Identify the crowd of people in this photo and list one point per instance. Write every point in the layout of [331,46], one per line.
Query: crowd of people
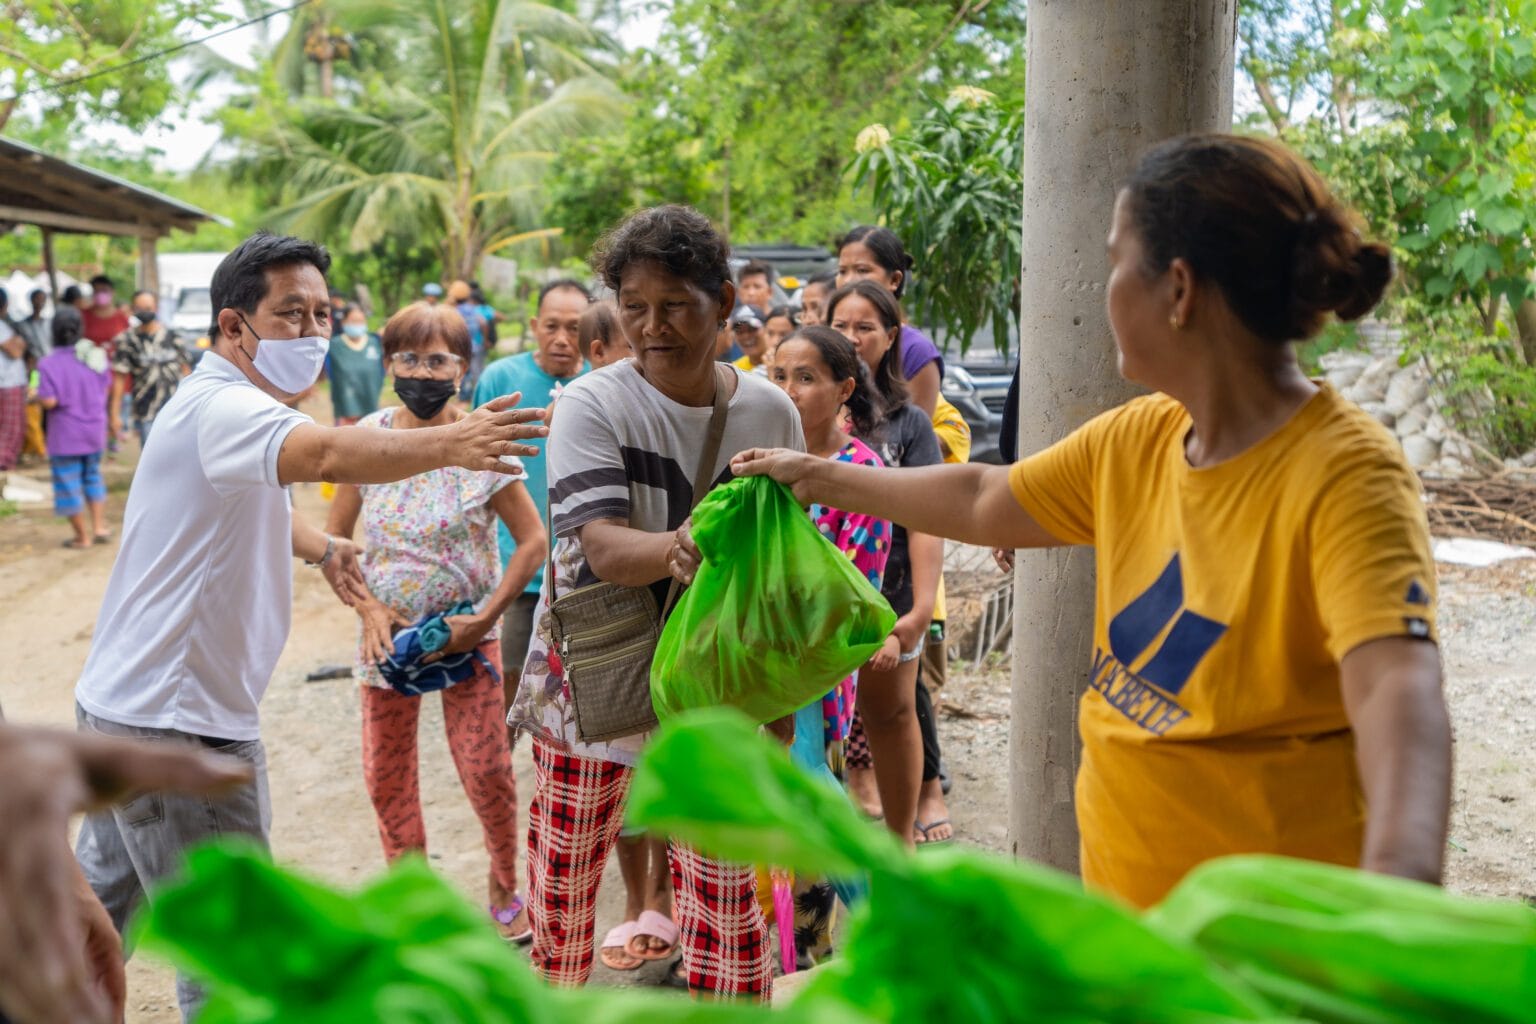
[1266,676]
[73,383]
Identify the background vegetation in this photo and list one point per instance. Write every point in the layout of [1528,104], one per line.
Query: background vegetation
[417,136]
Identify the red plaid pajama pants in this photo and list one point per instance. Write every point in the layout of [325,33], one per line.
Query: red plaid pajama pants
[13,425]
[573,820]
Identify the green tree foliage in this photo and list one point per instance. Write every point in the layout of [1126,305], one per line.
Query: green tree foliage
[1423,114]
[449,152]
[950,187]
[1427,124]
[749,110]
[46,44]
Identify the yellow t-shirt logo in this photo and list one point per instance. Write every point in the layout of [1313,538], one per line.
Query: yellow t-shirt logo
[1141,677]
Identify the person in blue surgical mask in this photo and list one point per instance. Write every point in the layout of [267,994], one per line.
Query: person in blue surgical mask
[355,368]
[197,608]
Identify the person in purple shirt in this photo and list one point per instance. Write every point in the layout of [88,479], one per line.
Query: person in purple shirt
[72,385]
[876,254]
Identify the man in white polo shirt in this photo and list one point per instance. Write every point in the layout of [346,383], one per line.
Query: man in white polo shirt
[197,608]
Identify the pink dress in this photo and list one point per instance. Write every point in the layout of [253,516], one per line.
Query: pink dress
[866,540]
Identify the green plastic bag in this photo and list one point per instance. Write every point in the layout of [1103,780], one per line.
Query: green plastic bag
[950,934]
[276,948]
[1338,945]
[774,619]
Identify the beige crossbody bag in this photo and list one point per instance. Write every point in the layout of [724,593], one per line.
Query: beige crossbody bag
[606,634]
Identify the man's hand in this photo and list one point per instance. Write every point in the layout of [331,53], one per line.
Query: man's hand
[115,423]
[791,468]
[55,962]
[1005,558]
[494,430]
[344,572]
[103,946]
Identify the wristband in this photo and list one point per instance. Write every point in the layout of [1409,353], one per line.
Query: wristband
[330,549]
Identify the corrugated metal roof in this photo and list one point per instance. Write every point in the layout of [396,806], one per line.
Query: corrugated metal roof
[32,180]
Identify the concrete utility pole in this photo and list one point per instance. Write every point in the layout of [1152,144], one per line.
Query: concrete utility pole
[1105,80]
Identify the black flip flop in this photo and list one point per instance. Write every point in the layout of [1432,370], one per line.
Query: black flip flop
[922,828]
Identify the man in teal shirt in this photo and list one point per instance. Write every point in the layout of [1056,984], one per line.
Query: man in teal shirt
[554,362]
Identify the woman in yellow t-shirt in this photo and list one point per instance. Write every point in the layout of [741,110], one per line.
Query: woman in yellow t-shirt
[1265,675]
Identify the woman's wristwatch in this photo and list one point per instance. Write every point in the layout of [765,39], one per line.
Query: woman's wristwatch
[330,549]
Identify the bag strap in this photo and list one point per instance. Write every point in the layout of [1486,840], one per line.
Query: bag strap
[707,458]
[702,480]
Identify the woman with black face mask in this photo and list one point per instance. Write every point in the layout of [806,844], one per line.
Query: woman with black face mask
[431,547]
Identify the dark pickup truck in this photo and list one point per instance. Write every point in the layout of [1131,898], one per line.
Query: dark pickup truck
[977,385]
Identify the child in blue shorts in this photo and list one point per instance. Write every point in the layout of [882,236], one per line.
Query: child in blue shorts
[72,386]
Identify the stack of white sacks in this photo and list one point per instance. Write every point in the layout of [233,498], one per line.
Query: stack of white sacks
[1403,399]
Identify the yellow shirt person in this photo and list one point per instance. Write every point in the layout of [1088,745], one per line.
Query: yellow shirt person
[954,436]
[1213,722]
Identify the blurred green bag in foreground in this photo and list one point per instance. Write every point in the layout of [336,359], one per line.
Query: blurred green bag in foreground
[952,934]
[775,617]
[945,935]
[276,948]
[1348,947]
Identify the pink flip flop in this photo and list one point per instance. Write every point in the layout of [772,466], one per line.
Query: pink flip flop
[618,938]
[654,925]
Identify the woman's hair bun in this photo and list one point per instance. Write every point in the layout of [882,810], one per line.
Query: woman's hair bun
[1373,272]
[1335,270]
[1260,223]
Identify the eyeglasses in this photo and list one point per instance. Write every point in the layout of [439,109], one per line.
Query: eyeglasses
[437,362]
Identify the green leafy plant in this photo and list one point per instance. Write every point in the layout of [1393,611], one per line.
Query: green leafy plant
[1422,115]
[950,186]
[77,59]
[745,109]
[1488,390]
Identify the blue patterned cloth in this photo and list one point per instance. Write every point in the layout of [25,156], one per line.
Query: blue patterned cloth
[405,671]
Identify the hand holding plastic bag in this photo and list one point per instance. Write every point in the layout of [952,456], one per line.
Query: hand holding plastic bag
[775,617]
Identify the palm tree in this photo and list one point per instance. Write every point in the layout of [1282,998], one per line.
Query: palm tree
[453,149]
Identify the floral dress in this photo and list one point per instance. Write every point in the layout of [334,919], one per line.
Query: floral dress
[431,541]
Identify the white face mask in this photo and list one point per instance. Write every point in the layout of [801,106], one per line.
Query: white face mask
[291,364]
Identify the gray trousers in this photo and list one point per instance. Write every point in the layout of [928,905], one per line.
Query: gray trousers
[516,635]
[125,849]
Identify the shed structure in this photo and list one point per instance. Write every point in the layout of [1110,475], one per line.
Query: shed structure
[58,195]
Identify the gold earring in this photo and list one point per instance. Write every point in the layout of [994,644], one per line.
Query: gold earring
[1175,322]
